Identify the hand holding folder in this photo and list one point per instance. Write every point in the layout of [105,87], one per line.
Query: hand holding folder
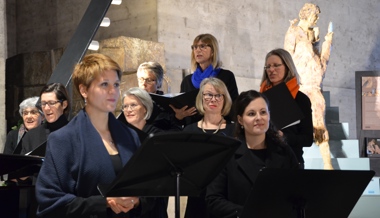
[178,100]
[284,110]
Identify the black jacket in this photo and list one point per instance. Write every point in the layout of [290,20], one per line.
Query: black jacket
[301,135]
[227,194]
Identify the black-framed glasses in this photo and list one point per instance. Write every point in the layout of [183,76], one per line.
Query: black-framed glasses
[275,66]
[31,112]
[131,106]
[201,46]
[146,80]
[209,96]
[50,103]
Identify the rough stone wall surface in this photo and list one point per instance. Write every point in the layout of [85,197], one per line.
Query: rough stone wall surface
[129,53]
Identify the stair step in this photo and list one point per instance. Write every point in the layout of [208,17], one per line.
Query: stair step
[332,115]
[338,149]
[339,163]
[338,131]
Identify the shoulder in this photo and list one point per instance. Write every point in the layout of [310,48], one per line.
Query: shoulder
[225,73]
[151,129]
[302,98]
[191,127]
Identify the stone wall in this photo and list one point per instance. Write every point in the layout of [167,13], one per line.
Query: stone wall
[246,31]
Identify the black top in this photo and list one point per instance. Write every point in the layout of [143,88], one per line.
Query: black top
[229,80]
[11,141]
[163,119]
[227,193]
[196,206]
[38,135]
[301,135]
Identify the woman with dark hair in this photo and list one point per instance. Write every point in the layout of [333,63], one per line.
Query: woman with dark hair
[261,147]
[279,68]
[55,104]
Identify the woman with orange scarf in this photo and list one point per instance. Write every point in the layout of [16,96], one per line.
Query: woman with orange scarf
[279,67]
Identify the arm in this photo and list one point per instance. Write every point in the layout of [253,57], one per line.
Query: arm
[303,136]
[326,49]
[216,198]
[290,40]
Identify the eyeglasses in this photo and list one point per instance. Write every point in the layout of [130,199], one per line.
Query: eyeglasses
[209,96]
[50,103]
[32,112]
[275,66]
[146,80]
[126,106]
[201,46]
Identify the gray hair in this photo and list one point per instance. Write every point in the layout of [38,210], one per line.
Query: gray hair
[156,69]
[143,96]
[27,103]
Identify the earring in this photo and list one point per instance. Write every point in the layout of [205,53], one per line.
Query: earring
[242,127]
[85,101]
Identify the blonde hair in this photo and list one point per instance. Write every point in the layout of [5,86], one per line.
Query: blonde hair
[221,88]
[92,66]
[213,43]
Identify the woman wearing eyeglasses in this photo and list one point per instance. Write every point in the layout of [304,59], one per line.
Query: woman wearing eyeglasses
[205,63]
[279,68]
[55,104]
[150,76]
[32,117]
[213,102]
[137,108]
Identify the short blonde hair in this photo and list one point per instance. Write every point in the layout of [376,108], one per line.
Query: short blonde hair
[92,66]
[221,88]
[213,43]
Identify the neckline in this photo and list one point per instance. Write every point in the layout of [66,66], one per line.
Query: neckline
[220,124]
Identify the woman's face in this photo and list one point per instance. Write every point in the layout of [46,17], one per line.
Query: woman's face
[31,117]
[212,100]
[134,111]
[52,107]
[103,92]
[203,54]
[255,118]
[147,80]
[275,69]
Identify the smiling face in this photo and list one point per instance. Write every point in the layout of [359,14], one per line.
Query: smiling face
[203,54]
[275,69]
[52,107]
[147,80]
[103,92]
[133,109]
[255,118]
[31,117]
[212,100]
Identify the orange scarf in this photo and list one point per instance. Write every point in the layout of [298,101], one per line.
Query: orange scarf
[291,84]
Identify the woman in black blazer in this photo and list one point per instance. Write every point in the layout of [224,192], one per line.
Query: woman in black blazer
[261,147]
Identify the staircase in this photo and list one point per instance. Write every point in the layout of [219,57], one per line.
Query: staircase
[345,156]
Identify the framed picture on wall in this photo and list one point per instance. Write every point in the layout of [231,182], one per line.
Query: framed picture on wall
[367,94]
[370,102]
[373,147]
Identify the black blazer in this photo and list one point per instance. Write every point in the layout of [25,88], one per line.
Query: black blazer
[227,194]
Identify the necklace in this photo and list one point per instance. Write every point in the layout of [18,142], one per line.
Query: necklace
[220,124]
